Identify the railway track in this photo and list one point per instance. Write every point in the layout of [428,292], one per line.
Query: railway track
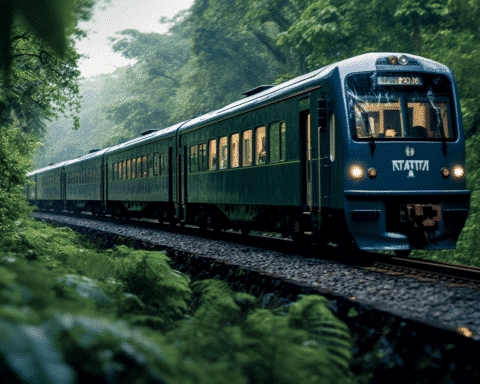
[453,275]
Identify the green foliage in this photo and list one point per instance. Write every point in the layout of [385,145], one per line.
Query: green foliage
[46,19]
[15,146]
[308,345]
[38,75]
[162,292]
[468,248]
[66,324]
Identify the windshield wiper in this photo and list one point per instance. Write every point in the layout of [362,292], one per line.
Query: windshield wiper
[439,127]
[369,129]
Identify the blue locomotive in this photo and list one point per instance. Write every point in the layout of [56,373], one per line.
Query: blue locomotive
[367,151]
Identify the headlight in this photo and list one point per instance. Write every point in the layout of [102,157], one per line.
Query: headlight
[403,60]
[392,60]
[372,173]
[458,172]
[356,172]
[445,172]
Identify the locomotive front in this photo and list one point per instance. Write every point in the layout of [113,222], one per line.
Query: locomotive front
[405,182]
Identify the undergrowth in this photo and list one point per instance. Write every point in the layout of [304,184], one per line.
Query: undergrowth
[70,312]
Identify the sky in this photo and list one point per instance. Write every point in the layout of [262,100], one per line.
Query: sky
[117,15]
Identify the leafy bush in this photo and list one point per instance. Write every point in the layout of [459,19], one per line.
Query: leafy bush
[162,293]
[15,147]
[308,345]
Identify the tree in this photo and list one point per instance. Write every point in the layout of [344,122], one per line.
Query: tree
[151,82]
[39,78]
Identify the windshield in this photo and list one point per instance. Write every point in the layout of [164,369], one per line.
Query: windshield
[390,107]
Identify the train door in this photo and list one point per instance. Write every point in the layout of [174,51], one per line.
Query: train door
[326,144]
[185,177]
[306,154]
[307,158]
[181,192]
[104,184]
[63,187]
[170,174]
[178,186]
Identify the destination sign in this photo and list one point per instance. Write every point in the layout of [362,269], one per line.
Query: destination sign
[399,80]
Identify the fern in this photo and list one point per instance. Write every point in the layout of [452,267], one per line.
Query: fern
[325,330]
[162,291]
[307,345]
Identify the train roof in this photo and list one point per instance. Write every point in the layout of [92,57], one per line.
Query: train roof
[157,135]
[259,98]
[88,156]
[170,131]
[378,61]
[51,167]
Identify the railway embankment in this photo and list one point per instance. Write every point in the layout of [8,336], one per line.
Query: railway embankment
[403,330]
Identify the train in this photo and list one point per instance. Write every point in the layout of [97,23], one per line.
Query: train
[367,152]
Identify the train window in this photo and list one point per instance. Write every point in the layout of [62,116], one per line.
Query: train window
[193,158]
[260,146]
[247,148]
[277,142]
[212,155]
[332,137]
[202,157]
[134,168]
[163,164]
[416,108]
[150,165]
[156,164]
[235,150]
[223,148]
[120,171]
[144,166]
[139,167]
[129,169]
